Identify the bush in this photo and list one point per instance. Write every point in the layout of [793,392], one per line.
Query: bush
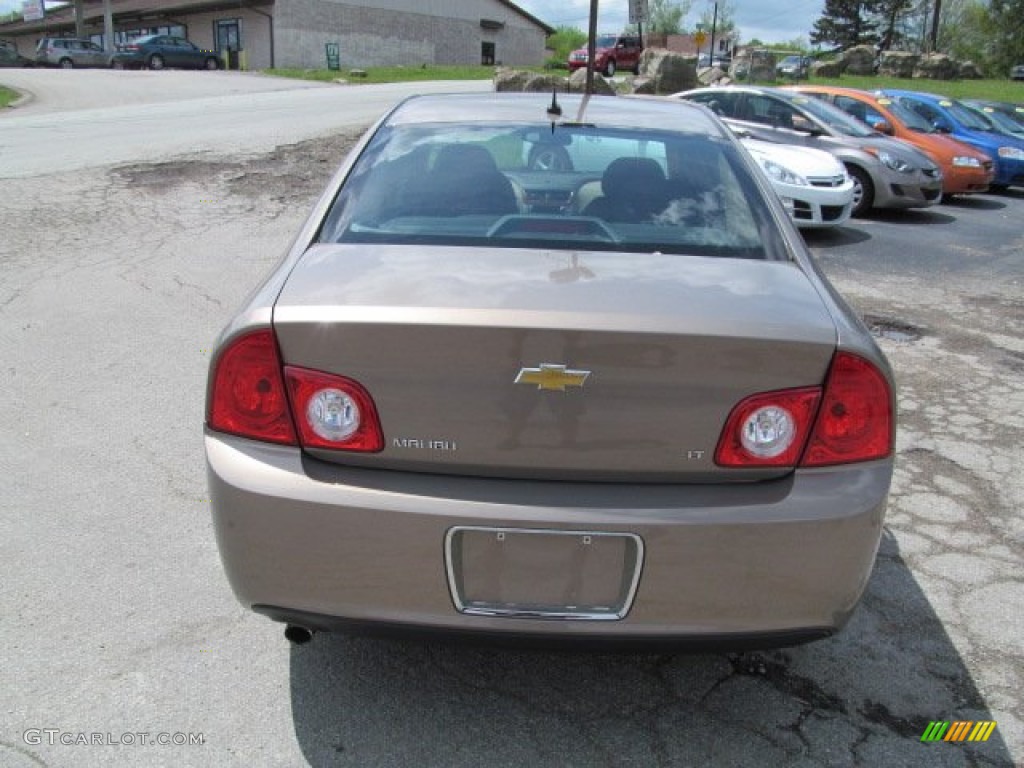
[554,62]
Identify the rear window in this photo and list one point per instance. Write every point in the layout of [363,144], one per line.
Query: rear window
[569,187]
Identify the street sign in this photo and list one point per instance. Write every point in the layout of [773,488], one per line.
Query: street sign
[32,10]
[699,37]
[637,11]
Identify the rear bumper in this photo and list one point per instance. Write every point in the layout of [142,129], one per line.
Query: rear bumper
[327,546]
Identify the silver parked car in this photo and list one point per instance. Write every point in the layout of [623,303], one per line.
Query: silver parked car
[887,173]
[70,52]
[610,398]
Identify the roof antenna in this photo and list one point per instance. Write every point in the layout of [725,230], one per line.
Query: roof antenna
[555,109]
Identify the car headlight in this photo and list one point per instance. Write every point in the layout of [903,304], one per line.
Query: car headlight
[781,173]
[1012,153]
[961,161]
[895,163]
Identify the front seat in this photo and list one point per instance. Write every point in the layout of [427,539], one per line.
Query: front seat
[632,189]
[465,180]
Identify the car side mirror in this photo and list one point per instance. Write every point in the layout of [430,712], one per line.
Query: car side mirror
[804,125]
[883,126]
[942,126]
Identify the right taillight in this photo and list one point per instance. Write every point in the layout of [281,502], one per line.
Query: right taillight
[848,420]
[855,421]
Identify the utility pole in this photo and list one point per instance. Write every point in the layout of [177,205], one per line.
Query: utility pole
[108,27]
[714,22]
[935,26]
[591,48]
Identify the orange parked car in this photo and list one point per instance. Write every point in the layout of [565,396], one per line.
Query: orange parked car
[964,169]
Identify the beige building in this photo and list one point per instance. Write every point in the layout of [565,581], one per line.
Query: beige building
[297,33]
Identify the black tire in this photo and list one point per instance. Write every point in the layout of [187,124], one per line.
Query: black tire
[863,190]
[212,64]
[156,61]
[66,64]
[609,68]
[998,188]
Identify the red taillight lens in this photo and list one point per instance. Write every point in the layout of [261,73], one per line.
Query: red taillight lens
[853,423]
[248,396]
[768,429]
[856,418]
[333,412]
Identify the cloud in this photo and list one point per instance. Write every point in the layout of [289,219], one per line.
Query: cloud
[771,21]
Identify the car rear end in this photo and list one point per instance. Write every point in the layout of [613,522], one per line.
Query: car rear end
[537,426]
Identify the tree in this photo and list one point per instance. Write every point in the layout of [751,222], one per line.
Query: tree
[564,40]
[724,24]
[1007,19]
[891,15]
[846,23]
[665,17]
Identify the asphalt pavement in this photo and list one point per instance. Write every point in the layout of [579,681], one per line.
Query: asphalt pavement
[118,631]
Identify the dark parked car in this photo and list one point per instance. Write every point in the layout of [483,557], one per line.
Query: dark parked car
[11,58]
[793,67]
[162,52]
[612,398]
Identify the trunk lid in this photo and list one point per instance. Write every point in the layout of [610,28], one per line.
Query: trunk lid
[657,351]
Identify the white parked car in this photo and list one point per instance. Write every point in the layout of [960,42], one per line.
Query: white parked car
[814,186]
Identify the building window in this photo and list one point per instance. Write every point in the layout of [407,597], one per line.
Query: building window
[487,53]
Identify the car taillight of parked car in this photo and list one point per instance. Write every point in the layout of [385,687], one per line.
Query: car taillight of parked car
[250,398]
[850,419]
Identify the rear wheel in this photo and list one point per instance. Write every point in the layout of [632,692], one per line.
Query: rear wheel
[156,61]
[863,190]
[66,64]
[211,64]
[609,68]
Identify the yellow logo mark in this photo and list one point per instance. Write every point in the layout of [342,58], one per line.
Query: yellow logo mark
[554,378]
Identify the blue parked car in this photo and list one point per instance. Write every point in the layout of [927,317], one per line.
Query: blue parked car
[162,52]
[972,127]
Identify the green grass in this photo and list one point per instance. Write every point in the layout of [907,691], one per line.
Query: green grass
[995,90]
[7,96]
[390,74]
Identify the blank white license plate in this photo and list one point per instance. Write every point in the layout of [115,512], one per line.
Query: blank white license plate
[528,573]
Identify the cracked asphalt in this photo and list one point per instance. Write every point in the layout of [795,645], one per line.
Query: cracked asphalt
[115,617]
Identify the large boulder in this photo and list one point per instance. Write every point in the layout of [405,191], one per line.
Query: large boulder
[898,64]
[578,83]
[762,66]
[936,66]
[833,68]
[711,76]
[511,79]
[969,71]
[644,86]
[860,60]
[670,71]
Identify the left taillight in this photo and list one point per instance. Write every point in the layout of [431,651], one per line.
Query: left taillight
[253,395]
[248,396]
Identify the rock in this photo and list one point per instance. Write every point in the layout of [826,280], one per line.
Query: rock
[969,71]
[936,66]
[898,64]
[670,71]
[832,68]
[544,83]
[511,79]
[710,76]
[860,60]
[578,82]
[762,66]
[644,86]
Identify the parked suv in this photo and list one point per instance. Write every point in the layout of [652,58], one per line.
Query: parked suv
[70,52]
[611,53]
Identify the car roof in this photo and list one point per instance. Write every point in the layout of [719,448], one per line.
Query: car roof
[650,113]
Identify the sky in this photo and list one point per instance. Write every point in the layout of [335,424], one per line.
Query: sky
[772,21]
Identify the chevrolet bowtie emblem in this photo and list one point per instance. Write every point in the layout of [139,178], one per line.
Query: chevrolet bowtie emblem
[552,377]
